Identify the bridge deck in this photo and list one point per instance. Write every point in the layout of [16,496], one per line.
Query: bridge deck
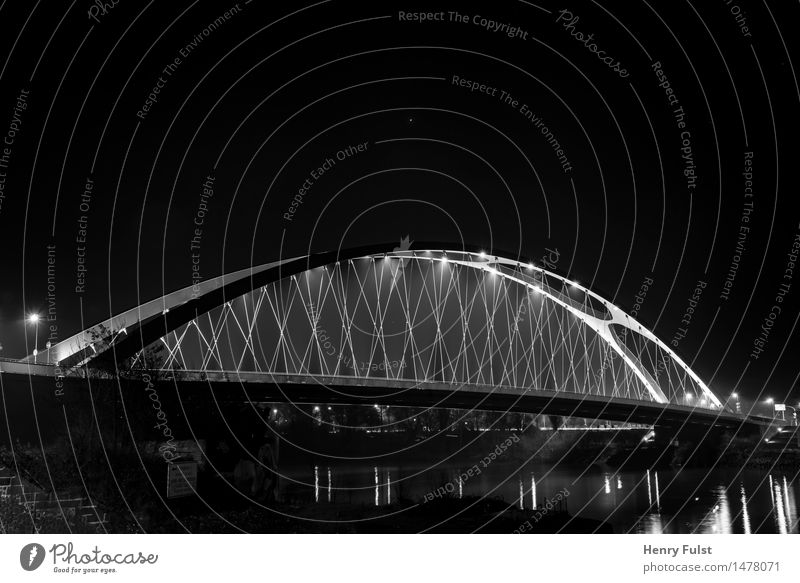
[399,392]
[259,386]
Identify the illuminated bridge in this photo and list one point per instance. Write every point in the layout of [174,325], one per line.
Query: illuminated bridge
[422,328]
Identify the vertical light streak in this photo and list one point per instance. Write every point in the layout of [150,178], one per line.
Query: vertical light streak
[745,513]
[316,483]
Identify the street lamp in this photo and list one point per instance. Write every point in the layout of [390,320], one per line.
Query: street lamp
[34,319]
[735,397]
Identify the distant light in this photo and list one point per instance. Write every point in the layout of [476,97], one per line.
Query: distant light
[316,409]
[689,396]
[275,411]
[329,408]
[735,395]
[33,318]
[770,401]
[530,265]
[482,254]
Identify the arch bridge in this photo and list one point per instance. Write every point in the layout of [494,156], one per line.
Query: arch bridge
[428,327]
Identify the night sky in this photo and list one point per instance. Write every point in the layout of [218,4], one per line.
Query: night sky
[627,142]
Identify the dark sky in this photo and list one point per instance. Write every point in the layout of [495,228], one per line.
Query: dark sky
[266,96]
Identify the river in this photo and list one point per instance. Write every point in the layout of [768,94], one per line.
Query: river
[642,501]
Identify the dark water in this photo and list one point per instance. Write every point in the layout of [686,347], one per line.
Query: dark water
[647,501]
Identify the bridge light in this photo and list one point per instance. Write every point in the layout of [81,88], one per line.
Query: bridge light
[482,254]
[530,265]
[689,396]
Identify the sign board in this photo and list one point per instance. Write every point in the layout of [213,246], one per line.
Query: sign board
[780,407]
[181,479]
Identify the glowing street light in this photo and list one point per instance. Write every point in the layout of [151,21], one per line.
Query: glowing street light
[735,397]
[34,319]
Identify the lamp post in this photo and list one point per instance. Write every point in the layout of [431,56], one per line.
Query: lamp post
[735,397]
[771,401]
[34,319]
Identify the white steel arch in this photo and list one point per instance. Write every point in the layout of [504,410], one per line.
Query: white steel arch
[215,334]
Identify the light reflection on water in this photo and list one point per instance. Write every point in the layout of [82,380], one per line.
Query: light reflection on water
[745,513]
[644,501]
